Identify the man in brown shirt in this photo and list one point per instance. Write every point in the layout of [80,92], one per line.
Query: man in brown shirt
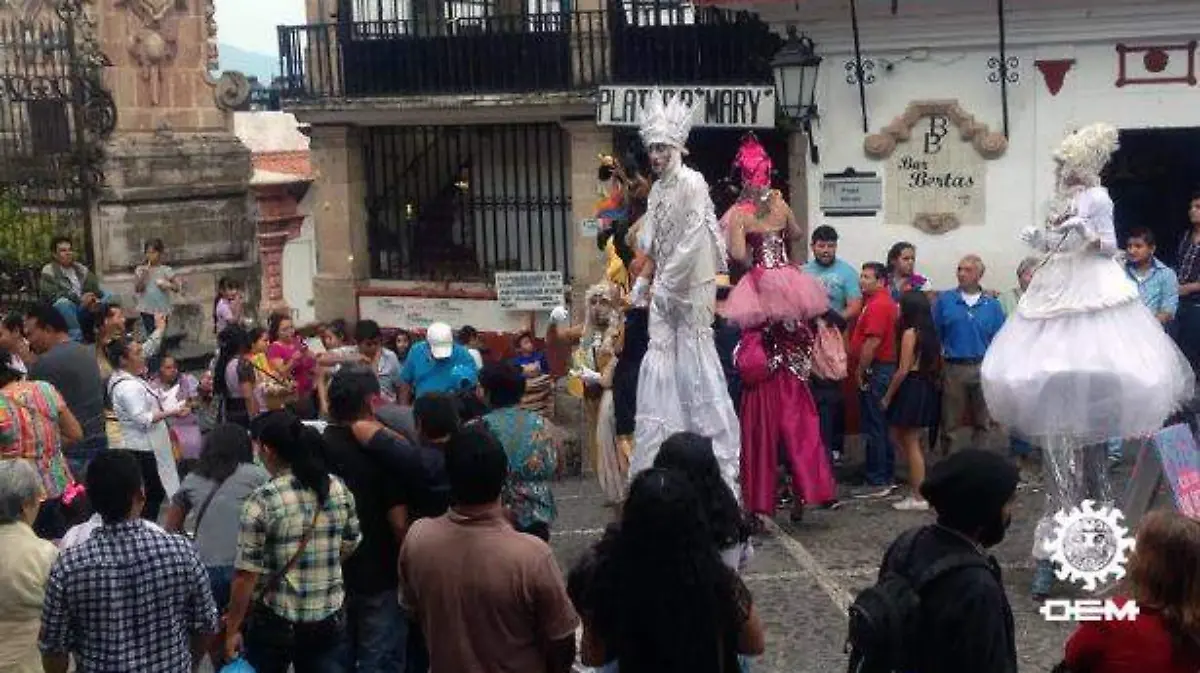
[488,598]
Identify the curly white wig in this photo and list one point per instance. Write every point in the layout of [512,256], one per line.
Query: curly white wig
[1086,152]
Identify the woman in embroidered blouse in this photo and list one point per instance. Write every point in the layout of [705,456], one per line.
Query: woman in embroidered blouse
[34,424]
[902,275]
[25,564]
[532,446]
[143,421]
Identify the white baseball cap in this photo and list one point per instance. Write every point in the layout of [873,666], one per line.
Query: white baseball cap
[441,340]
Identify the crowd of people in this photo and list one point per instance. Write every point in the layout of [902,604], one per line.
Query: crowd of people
[320,499]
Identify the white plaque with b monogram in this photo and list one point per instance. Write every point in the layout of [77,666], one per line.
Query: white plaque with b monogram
[935,177]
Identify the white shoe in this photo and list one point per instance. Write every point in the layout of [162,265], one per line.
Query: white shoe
[911,504]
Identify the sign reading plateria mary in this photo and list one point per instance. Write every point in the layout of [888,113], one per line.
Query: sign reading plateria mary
[935,177]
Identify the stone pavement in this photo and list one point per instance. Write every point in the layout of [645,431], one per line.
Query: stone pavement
[804,575]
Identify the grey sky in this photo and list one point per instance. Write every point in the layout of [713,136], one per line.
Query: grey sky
[250,24]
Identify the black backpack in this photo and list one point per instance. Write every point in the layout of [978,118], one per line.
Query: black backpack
[885,619]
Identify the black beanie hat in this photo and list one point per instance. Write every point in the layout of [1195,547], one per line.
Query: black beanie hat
[969,488]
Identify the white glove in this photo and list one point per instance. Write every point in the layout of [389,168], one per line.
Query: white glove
[637,296]
[1032,236]
[590,377]
[560,315]
[1077,223]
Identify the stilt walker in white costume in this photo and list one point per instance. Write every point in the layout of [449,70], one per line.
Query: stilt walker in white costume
[681,385]
[1081,360]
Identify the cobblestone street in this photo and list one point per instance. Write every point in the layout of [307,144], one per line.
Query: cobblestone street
[803,576]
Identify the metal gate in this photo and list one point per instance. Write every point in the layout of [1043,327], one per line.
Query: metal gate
[462,202]
[54,117]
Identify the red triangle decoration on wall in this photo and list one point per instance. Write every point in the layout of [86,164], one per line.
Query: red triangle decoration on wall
[1054,72]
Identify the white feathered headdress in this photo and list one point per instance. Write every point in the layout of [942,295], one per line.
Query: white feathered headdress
[666,123]
[1086,152]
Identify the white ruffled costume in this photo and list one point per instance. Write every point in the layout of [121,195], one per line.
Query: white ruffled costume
[681,385]
[1081,360]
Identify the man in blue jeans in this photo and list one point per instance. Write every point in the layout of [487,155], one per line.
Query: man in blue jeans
[71,288]
[386,475]
[873,354]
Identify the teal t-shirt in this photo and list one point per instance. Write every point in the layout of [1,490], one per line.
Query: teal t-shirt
[840,281]
[427,375]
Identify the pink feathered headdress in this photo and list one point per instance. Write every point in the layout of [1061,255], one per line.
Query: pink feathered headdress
[753,163]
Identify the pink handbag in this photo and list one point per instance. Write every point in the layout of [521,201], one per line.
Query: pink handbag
[829,353]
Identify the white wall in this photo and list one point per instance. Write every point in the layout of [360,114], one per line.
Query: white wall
[1019,183]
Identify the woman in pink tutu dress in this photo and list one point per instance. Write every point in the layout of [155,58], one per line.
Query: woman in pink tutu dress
[774,305]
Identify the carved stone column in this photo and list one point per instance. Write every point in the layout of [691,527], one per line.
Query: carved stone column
[279,221]
[174,169]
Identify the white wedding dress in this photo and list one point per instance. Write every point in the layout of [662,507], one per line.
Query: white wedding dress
[1082,357]
[681,385]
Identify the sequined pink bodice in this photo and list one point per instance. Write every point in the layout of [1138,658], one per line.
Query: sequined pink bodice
[768,249]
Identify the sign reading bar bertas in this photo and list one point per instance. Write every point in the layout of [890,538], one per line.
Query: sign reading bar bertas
[730,107]
[936,180]
[529,290]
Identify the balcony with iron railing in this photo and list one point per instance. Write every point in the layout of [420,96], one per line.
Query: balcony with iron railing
[521,54]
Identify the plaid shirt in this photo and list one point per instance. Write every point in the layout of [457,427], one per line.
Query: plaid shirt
[128,600]
[274,519]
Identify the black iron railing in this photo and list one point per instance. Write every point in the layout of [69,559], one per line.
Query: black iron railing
[493,54]
[672,44]
[646,44]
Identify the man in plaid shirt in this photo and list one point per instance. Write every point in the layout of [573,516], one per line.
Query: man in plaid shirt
[131,598]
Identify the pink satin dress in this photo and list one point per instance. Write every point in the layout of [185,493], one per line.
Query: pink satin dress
[778,408]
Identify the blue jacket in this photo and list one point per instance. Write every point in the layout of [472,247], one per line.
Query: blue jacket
[966,331]
[1159,290]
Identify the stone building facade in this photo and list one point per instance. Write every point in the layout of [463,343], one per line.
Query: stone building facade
[174,169]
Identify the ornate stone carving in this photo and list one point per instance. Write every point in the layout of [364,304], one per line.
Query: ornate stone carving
[989,144]
[936,223]
[212,53]
[153,40]
[232,91]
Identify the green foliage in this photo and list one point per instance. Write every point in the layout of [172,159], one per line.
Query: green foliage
[25,235]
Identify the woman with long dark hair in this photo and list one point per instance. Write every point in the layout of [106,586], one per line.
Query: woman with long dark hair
[692,455]
[234,377]
[1164,579]
[296,530]
[208,506]
[209,502]
[902,275]
[912,401]
[660,599]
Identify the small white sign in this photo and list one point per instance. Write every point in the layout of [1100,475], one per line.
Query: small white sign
[418,313]
[529,290]
[851,194]
[729,107]
[589,228]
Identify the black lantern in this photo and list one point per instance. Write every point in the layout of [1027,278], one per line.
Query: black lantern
[796,66]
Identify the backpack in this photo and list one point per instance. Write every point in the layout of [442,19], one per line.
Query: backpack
[829,353]
[886,618]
